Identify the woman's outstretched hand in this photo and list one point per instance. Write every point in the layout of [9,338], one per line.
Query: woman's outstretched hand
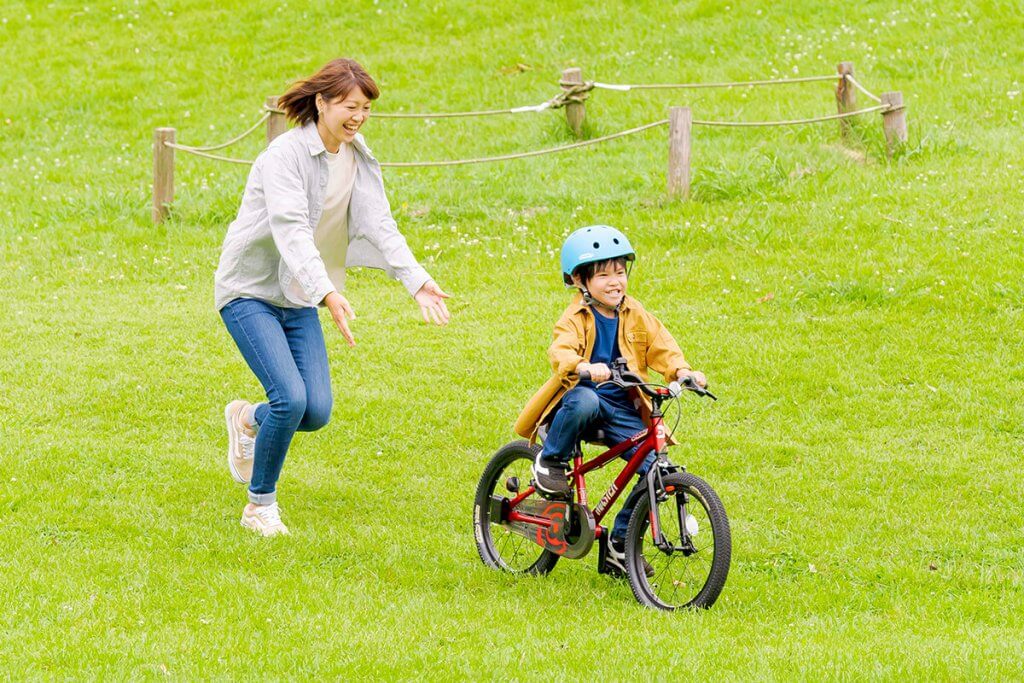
[341,311]
[431,301]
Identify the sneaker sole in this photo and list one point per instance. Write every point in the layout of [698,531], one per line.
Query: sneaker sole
[232,445]
[254,526]
[545,492]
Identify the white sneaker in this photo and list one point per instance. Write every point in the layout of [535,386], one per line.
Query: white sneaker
[241,442]
[265,519]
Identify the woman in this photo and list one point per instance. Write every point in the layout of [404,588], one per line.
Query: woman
[314,203]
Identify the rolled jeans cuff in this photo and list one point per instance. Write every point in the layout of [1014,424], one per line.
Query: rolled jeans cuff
[262,498]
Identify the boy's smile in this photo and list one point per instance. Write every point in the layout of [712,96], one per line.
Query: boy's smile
[607,285]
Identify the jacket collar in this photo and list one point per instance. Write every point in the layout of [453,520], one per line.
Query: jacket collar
[579,305]
[315,145]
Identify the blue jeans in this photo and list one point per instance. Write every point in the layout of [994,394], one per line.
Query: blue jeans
[581,413]
[285,348]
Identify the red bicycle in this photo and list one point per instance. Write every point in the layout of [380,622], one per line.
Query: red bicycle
[678,542]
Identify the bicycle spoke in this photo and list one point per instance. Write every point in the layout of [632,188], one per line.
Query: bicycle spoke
[513,549]
[672,578]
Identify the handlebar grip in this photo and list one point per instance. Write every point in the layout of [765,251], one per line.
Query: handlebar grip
[585,376]
[691,385]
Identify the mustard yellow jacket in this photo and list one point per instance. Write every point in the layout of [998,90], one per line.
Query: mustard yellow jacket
[643,341]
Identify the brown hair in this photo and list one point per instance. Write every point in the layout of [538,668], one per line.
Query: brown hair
[587,270]
[337,78]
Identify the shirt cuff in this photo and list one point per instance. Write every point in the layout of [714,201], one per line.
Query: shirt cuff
[413,279]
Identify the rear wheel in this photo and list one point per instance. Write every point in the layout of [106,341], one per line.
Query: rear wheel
[691,570]
[508,473]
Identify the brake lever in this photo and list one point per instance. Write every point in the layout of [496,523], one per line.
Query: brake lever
[690,385]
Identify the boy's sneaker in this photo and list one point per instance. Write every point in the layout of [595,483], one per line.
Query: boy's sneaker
[241,442]
[550,477]
[265,519]
[615,560]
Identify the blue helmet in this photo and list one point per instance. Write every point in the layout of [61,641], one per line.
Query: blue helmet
[593,244]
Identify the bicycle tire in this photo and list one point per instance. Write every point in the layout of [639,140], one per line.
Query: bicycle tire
[491,551]
[648,590]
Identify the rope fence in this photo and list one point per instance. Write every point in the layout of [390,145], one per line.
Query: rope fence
[575,92]
[693,86]
[853,81]
[792,122]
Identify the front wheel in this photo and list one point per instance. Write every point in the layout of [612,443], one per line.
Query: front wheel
[691,567]
[508,472]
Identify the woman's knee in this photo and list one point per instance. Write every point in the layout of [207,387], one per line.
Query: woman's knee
[289,405]
[318,413]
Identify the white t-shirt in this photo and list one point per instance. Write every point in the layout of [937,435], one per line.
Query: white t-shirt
[331,234]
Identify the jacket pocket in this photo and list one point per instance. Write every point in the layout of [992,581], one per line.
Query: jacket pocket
[637,340]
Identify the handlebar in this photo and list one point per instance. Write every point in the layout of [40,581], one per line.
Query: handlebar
[622,377]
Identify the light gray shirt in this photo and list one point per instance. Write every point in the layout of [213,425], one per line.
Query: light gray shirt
[270,247]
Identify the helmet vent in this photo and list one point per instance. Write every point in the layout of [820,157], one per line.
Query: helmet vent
[615,239]
[597,245]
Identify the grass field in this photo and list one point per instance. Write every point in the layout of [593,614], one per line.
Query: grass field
[866,444]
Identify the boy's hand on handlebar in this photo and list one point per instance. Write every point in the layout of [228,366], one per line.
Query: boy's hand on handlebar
[341,311]
[599,372]
[696,376]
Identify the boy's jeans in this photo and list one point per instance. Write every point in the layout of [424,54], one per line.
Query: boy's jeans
[583,411]
[285,348]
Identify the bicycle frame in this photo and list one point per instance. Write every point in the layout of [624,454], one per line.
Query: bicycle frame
[651,439]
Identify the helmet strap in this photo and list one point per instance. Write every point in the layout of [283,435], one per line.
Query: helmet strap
[591,301]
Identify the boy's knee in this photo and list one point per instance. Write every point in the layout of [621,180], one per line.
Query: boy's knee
[582,401]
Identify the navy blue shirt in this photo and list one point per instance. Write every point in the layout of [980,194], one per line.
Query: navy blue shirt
[606,349]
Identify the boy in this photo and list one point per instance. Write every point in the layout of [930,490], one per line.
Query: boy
[600,325]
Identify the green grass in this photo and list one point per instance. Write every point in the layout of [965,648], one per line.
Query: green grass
[866,444]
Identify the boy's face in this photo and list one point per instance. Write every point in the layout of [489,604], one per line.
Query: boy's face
[608,284]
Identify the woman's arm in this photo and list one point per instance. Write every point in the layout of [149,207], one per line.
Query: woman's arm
[288,212]
[384,235]
[386,238]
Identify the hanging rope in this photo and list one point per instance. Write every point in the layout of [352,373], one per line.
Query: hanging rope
[681,86]
[210,148]
[578,93]
[792,122]
[455,162]
[199,153]
[523,155]
[860,87]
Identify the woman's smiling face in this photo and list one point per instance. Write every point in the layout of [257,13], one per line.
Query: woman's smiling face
[342,117]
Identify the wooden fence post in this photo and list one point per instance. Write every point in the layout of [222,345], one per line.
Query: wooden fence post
[894,120]
[163,173]
[574,111]
[680,126]
[846,97]
[277,123]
